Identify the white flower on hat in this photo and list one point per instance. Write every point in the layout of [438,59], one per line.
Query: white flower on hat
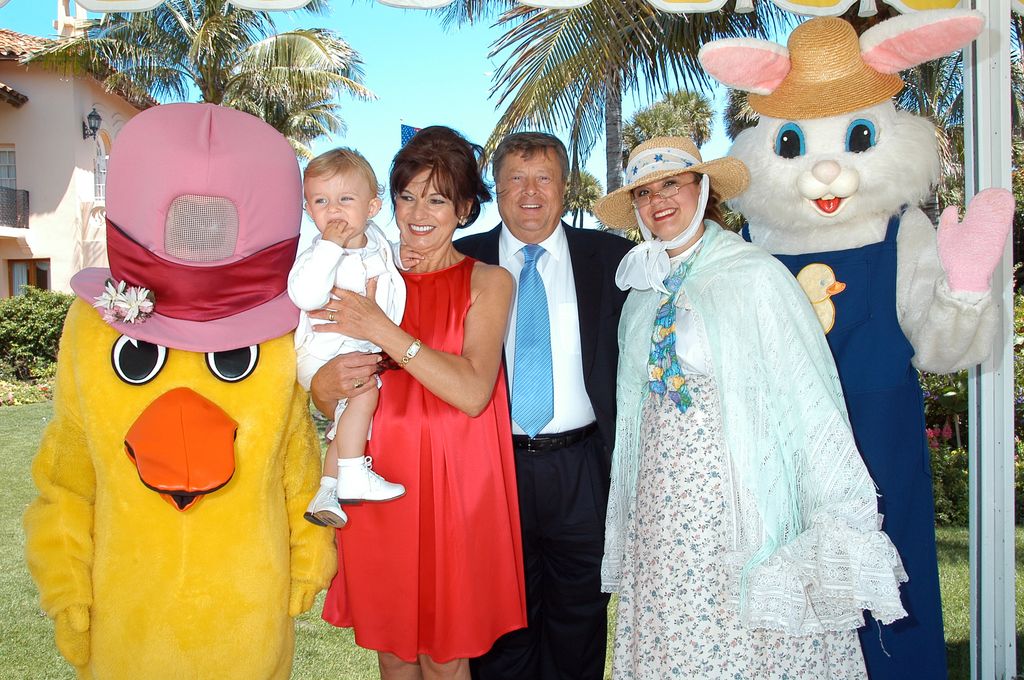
[110,294]
[124,303]
[136,304]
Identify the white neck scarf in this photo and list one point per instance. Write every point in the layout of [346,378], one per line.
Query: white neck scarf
[647,264]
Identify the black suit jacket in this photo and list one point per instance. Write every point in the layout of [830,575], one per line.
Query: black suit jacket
[595,255]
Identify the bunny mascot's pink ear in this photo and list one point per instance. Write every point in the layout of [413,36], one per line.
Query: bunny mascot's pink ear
[911,39]
[746,64]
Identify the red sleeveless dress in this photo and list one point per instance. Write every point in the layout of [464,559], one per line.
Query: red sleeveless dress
[440,570]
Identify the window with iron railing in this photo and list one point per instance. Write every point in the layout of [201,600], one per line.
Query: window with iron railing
[13,208]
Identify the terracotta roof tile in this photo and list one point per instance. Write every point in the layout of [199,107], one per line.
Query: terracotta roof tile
[11,96]
[15,45]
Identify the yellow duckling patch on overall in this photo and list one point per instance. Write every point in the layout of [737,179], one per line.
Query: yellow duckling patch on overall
[820,284]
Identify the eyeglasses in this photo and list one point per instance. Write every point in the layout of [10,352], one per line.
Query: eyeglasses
[667,191]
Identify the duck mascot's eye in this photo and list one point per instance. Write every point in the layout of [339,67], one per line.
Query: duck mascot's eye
[136,362]
[790,141]
[234,364]
[860,136]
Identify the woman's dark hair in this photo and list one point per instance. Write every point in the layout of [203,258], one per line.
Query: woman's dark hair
[713,211]
[454,165]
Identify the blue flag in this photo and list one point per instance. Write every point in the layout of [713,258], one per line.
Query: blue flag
[407,133]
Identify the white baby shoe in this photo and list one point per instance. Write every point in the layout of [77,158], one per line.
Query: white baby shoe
[358,482]
[324,510]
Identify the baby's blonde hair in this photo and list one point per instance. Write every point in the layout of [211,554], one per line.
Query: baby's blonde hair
[342,160]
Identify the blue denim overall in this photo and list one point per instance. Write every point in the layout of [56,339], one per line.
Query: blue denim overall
[886,409]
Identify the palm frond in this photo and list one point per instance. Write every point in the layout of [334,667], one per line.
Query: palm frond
[678,114]
[738,116]
[559,63]
[232,56]
[311,60]
[462,12]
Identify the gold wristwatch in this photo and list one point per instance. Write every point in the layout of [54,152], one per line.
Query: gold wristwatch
[413,350]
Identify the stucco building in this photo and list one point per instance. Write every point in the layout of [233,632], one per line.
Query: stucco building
[52,215]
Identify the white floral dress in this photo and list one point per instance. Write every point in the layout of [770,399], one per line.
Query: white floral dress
[674,620]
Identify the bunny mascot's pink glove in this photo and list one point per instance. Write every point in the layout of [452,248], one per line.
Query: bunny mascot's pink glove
[970,250]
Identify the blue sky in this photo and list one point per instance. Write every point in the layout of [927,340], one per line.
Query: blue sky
[421,74]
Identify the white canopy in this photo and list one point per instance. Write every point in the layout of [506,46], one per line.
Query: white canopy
[807,7]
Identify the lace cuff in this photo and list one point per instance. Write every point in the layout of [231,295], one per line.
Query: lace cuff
[611,576]
[823,580]
[619,502]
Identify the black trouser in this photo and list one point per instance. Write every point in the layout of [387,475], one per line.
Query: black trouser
[563,498]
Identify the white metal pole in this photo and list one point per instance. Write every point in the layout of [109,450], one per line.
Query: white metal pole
[987,164]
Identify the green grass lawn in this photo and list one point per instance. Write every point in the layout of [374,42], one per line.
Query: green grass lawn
[322,651]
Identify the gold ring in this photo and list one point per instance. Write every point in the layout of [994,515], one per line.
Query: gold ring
[356,384]
[330,315]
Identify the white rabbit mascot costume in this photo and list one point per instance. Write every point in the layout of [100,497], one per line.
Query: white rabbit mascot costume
[836,175]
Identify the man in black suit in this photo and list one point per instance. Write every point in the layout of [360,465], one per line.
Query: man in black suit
[563,468]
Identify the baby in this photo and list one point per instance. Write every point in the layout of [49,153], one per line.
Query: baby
[341,197]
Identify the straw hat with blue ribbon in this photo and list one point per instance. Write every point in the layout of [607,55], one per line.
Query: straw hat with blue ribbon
[663,157]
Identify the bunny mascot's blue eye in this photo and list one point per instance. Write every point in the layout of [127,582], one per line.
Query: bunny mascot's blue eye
[860,136]
[790,141]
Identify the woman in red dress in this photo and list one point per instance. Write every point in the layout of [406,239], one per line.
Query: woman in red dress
[435,577]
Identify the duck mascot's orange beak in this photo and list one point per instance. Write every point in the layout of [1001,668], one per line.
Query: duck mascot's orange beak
[183,446]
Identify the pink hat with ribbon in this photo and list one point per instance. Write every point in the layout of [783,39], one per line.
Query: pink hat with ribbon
[203,212]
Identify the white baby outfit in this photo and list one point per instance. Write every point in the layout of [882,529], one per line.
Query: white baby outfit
[325,265]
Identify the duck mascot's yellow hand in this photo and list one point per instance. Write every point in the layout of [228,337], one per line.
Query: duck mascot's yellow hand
[301,599]
[71,628]
[168,538]
[313,557]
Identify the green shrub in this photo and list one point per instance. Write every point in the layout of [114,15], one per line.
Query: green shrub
[30,328]
[949,482]
[1018,404]
[1018,360]
[945,404]
[1018,479]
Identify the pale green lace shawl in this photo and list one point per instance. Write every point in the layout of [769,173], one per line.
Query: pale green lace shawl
[805,541]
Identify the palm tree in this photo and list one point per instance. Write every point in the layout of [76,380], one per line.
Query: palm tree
[581,194]
[229,56]
[935,90]
[738,116]
[569,68]
[678,114]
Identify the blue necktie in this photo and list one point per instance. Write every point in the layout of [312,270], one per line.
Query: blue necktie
[533,390]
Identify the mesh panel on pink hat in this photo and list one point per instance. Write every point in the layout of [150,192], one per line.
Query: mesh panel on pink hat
[201,228]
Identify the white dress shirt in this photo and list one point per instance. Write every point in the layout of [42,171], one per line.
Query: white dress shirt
[572,405]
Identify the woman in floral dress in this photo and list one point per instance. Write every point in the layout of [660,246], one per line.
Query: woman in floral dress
[742,531]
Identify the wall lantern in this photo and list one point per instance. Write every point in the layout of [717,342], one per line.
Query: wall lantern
[91,124]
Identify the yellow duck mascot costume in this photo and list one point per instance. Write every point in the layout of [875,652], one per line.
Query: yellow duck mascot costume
[167,540]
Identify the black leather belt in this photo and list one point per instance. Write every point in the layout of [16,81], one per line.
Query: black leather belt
[549,442]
